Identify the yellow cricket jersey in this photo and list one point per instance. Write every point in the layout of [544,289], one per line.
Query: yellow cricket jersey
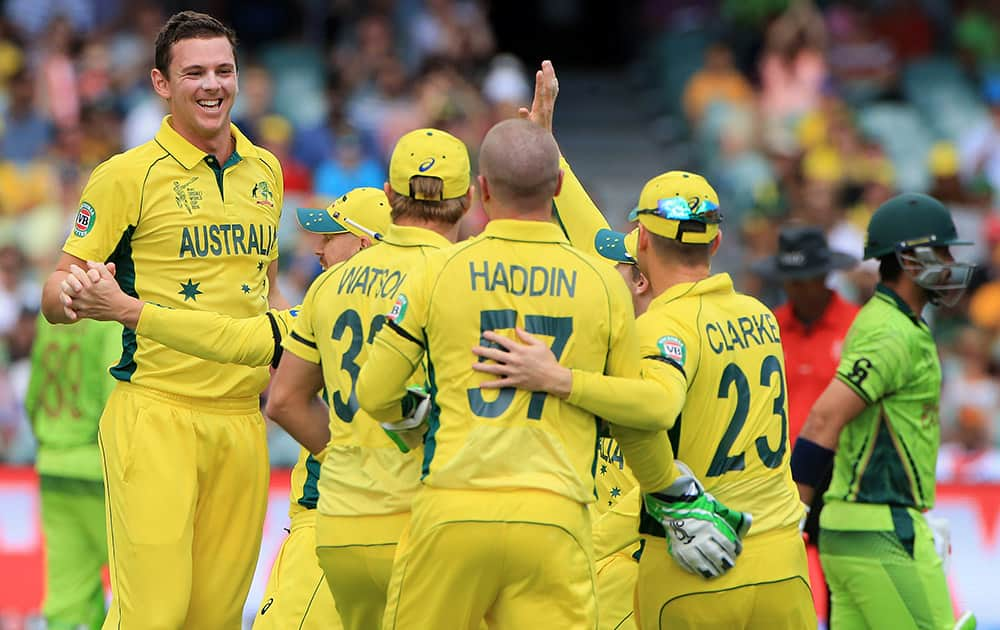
[724,349]
[615,513]
[525,274]
[186,233]
[364,473]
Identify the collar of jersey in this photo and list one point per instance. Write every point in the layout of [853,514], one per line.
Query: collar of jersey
[886,294]
[188,154]
[520,230]
[412,236]
[717,283]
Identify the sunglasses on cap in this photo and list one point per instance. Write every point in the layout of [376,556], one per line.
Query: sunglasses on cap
[678,209]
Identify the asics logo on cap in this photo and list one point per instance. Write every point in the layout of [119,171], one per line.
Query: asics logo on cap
[426,165]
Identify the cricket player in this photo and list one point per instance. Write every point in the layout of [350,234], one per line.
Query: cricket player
[877,425]
[190,221]
[66,393]
[296,595]
[500,529]
[615,512]
[723,353]
[366,483]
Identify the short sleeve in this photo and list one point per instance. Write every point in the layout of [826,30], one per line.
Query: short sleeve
[406,321]
[873,363]
[109,205]
[301,341]
[665,339]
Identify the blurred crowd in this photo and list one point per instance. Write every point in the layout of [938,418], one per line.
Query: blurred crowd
[814,112]
[797,110]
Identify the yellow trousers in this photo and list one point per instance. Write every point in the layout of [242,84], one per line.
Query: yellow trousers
[616,577]
[469,558]
[768,589]
[186,485]
[356,555]
[297,596]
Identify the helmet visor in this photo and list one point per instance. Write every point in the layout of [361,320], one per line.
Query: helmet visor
[945,280]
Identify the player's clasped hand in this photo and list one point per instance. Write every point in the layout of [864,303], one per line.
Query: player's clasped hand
[703,535]
[90,293]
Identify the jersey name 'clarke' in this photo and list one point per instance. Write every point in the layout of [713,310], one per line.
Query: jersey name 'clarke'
[758,329]
[534,281]
[230,239]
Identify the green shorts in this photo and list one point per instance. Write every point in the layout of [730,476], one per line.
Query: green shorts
[76,549]
[886,578]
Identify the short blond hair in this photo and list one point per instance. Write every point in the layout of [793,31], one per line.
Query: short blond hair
[445,211]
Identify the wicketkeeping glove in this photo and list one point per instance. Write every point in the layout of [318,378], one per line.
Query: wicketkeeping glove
[408,433]
[703,535]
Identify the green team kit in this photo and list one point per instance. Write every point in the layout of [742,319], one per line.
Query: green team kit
[66,394]
[884,473]
[878,550]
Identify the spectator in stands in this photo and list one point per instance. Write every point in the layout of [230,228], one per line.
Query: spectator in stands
[979,147]
[970,457]
[793,71]
[977,34]
[59,91]
[256,101]
[456,30]
[347,167]
[970,385]
[862,63]
[27,133]
[717,80]
[313,144]
[274,133]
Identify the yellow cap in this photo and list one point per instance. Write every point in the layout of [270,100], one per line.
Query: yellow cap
[676,196]
[823,164]
[943,160]
[430,153]
[362,212]
[274,128]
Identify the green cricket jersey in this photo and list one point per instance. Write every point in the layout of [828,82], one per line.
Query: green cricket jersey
[69,385]
[888,453]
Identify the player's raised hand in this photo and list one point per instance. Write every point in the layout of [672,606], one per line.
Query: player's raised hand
[529,365]
[543,104]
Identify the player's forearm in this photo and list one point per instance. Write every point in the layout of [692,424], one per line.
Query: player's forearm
[579,216]
[382,382]
[52,306]
[649,455]
[208,335]
[630,402]
[307,420]
[832,411]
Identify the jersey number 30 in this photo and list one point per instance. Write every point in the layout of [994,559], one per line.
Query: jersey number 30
[723,461]
[559,328]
